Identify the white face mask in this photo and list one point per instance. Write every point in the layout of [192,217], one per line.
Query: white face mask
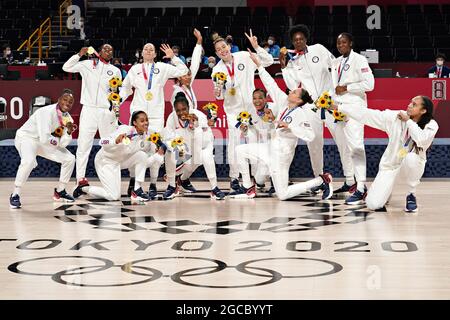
[440,62]
[211,65]
[270,42]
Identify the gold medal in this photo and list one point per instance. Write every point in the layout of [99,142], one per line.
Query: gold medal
[90,50]
[232,91]
[402,152]
[149,96]
[126,141]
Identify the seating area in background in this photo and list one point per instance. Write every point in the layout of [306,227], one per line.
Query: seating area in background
[408,32]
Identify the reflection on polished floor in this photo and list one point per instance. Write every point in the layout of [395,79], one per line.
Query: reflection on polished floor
[193,247]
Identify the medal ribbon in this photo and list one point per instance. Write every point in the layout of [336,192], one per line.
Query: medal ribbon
[60,115]
[149,84]
[94,63]
[283,116]
[190,96]
[231,72]
[407,139]
[340,72]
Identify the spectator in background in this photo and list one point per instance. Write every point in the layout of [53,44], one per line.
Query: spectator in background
[118,64]
[229,40]
[7,55]
[210,65]
[204,59]
[176,51]
[274,49]
[439,70]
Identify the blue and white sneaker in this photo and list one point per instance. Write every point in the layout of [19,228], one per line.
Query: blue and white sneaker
[62,196]
[244,193]
[14,201]
[170,193]
[234,185]
[186,185]
[139,195]
[326,186]
[346,188]
[217,194]
[411,203]
[357,197]
[152,191]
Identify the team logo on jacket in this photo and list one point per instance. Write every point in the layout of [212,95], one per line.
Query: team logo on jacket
[241,66]
[346,67]
[109,72]
[315,59]
[156,71]
[288,119]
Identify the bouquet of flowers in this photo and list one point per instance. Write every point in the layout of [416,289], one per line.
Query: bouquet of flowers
[338,116]
[58,132]
[211,109]
[244,118]
[67,122]
[157,140]
[114,98]
[325,102]
[180,149]
[220,79]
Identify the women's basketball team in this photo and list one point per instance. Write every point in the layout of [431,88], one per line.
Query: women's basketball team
[262,135]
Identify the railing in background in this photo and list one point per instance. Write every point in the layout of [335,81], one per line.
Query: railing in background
[36,38]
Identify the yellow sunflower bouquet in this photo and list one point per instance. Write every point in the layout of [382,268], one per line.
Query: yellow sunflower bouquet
[114,98]
[220,78]
[58,132]
[156,138]
[324,101]
[211,109]
[244,118]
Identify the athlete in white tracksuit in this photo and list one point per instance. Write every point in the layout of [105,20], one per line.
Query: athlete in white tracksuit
[95,113]
[35,138]
[184,83]
[148,80]
[309,68]
[352,78]
[199,139]
[265,128]
[126,147]
[410,135]
[292,124]
[237,95]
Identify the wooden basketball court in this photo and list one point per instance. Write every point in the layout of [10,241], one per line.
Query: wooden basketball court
[196,248]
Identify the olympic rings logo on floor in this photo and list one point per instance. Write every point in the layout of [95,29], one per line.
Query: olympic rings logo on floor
[181,277]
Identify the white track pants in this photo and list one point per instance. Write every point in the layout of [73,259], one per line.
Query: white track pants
[278,165]
[315,147]
[411,170]
[30,148]
[91,120]
[349,137]
[109,174]
[234,140]
[205,158]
